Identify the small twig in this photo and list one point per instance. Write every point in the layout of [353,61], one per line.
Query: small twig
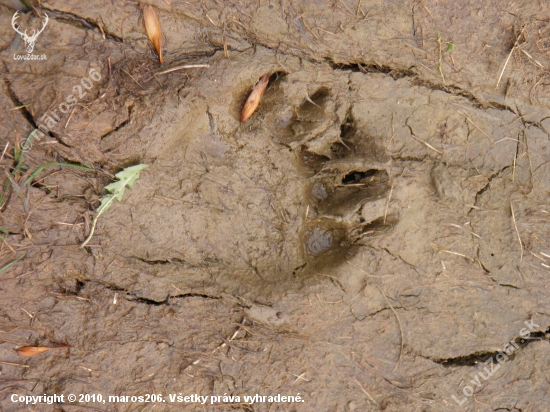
[225,49]
[224,344]
[429,146]
[510,55]
[347,8]
[365,392]
[514,168]
[307,28]
[529,158]
[450,252]
[400,327]
[392,127]
[535,87]
[101,29]
[188,66]
[517,231]
[476,126]
[70,117]
[286,69]
[14,364]
[132,78]
[228,343]
[4,151]
[210,20]
[531,57]
[387,204]
[466,230]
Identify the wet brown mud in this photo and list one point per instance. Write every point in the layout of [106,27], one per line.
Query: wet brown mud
[372,236]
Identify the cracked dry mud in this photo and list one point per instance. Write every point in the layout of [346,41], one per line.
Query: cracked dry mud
[368,239]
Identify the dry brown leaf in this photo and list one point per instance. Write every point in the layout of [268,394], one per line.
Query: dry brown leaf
[152,26]
[254,99]
[35,350]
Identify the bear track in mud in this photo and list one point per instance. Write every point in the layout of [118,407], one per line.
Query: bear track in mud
[260,208]
[347,193]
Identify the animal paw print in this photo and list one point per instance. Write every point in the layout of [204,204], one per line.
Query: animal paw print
[347,174]
[347,198]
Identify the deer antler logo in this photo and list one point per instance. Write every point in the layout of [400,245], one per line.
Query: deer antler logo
[29,40]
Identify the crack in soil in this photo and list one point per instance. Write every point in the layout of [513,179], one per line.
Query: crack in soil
[147,301]
[418,81]
[121,125]
[83,23]
[131,297]
[487,185]
[17,103]
[167,261]
[478,357]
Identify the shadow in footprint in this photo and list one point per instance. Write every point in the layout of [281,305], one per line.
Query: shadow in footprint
[347,197]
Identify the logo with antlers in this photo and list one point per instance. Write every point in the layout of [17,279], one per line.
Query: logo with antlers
[29,40]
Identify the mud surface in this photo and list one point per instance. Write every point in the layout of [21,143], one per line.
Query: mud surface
[370,239]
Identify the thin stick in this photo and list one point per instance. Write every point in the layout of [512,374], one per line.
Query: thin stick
[529,158]
[225,50]
[132,78]
[392,128]
[466,230]
[510,55]
[514,167]
[387,204]
[14,364]
[475,125]
[101,29]
[224,344]
[517,231]
[358,8]
[347,8]
[531,57]
[210,20]
[456,253]
[365,391]
[188,66]
[307,28]
[4,152]
[429,146]
[400,327]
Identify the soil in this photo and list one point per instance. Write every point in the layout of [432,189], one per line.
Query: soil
[375,237]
